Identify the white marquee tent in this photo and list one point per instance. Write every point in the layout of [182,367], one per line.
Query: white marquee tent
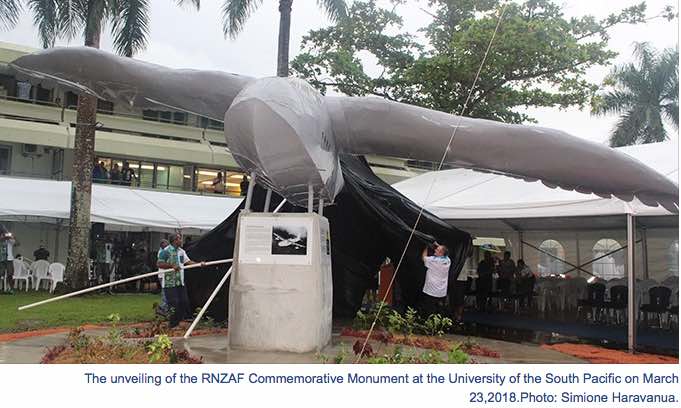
[558,231]
[122,207]
[465,194]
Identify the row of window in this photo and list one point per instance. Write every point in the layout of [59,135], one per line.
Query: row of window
[24,91]
[607,265]
[164,176]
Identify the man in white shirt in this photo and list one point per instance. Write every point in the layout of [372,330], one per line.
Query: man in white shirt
[437,277]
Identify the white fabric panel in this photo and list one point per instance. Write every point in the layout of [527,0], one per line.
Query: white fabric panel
[115,205]
[466,194]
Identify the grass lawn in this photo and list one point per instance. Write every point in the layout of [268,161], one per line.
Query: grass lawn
[87,309]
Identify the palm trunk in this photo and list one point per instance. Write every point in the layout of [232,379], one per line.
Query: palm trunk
[284,36]
[81,185]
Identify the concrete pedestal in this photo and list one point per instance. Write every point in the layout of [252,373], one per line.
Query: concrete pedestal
[280,294]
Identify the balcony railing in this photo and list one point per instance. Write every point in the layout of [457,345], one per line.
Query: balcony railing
[50,112]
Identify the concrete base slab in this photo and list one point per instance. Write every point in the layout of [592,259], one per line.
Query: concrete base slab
[213,350]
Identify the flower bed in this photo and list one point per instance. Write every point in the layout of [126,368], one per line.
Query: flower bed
[113,349]
[425,342]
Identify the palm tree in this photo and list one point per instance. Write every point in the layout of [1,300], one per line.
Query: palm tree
[643,94]
[129,21]
[9,13]
[236,12]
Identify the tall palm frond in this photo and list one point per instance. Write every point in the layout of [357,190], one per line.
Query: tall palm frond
[334,9]
[644,94]
[71,15]
[45,17]
[9,13]
[234,15]
[130,26]
[195,3]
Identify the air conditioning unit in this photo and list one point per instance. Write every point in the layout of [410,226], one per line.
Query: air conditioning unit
[31,150]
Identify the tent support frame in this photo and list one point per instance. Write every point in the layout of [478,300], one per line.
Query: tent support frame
[631,277]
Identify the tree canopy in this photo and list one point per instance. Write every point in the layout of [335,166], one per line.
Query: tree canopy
[539,56]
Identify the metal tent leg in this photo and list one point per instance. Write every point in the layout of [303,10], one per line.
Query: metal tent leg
[310,199]
[633,313]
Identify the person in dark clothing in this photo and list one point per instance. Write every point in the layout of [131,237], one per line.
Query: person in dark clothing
[507,271]
[244,185]
[484,284]
[41,253]
[127,175]
[115,174]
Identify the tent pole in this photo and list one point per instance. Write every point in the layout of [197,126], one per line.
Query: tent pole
[579,260]
[632,312]
[310,198]
[249,193]
[321,206]
[644,251]
[521,246]
[268,198]
[217,289]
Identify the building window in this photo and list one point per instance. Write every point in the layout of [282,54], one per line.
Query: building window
[71,100]
[610,265]
[673,258]
[210,124]
[548,264]
[105,107]
[5,158]
[218,181]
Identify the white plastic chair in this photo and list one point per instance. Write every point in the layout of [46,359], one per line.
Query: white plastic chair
[40,272]
[21,273]
[56,272]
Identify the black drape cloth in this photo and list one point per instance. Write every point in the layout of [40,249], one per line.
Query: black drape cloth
[369,222]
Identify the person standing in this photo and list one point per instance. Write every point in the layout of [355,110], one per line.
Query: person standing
[163,306]
[458,296]
[507,270]
[173,257]
[484,284]
[437,277]
[244,186]
[7,259]
[127,175]
[115,174]
[219,184]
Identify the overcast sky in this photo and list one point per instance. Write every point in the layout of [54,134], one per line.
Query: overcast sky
[184,38]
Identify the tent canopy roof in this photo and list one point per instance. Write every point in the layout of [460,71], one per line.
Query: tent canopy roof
[121,206]
[507,203]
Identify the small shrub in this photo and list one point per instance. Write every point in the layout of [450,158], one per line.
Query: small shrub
[436,325]
[457,356]
[114,335]
[158,348]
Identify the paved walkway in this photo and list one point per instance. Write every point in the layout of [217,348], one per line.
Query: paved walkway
[213,349]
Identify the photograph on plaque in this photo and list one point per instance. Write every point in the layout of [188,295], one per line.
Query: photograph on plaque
[289,239]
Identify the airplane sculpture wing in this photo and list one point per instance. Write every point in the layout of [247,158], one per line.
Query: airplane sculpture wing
[291,136]
[378,126]
[133,83]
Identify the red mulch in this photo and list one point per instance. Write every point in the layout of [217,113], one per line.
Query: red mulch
[6,337]
[601,355]
[425,342]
